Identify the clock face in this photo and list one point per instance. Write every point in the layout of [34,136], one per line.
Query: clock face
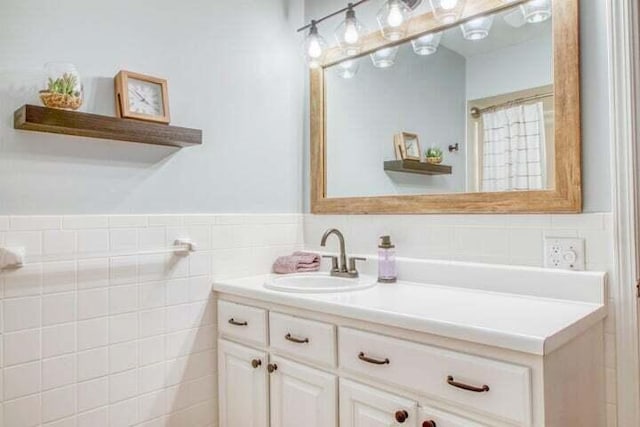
[145,98]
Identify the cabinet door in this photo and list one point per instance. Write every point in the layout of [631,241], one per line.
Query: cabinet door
[431,417]
[364,406]
[302,396]
[243,386]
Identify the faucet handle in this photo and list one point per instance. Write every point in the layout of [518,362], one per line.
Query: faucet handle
[352,263]
[334,261]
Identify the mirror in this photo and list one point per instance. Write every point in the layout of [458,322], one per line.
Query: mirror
[461,110]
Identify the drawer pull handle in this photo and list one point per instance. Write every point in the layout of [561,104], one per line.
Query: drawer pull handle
[452,382]
[291,338]
[256,363]
[429,423]
[272,367]
[401,416]
[234,322]
[364,358]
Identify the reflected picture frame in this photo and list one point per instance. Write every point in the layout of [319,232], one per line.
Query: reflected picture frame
[409,146]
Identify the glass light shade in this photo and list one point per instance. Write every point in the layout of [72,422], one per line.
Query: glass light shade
[384,58]
[348,69]
[477,29]
[536,11]
[314,47]
[447,11]
[427,44]
[349,34]
[392,19]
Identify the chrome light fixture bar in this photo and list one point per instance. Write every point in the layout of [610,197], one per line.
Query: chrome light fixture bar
[331,15]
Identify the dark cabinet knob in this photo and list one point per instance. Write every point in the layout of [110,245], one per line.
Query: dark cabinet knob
[402,416]
[272,367]
[256,363]
[429,423]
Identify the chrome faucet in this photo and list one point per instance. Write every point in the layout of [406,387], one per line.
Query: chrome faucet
[339,267]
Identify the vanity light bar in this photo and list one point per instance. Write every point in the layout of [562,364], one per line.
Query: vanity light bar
[331,15]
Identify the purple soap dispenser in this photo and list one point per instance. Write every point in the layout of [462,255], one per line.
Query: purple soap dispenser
[387,261]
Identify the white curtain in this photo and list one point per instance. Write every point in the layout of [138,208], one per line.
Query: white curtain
[514,148]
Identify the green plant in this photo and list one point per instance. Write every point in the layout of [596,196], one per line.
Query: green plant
[433,152]
[65,85]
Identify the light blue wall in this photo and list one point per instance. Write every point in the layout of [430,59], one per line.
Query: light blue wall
[594,79]
[234,70]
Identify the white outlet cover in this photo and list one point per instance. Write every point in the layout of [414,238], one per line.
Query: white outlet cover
[564,253]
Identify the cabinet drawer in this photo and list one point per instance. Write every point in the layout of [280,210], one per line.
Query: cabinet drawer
[430,417]
[442,374]
[242,322]
[307,339]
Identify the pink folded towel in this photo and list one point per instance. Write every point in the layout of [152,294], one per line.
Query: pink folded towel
[298,262]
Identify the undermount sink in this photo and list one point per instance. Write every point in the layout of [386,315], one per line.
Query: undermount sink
[318,283]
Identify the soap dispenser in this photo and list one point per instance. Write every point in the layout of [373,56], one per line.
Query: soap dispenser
[387,261]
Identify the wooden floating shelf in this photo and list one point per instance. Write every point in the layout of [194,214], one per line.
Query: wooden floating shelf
[416,167]
[42,119]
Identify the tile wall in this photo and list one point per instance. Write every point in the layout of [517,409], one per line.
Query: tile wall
[92,335]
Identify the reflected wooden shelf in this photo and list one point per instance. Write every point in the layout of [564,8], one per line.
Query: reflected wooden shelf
[415,167]
[49,120]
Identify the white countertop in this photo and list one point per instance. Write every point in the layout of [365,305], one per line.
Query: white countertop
[527,324]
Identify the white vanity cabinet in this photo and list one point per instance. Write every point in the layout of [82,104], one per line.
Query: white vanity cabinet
[292,366]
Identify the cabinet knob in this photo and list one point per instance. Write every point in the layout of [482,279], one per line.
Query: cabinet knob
[402,416]
[429,423]
[256,363]
[272,367]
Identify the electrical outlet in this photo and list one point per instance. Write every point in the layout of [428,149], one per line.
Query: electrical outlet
[564,253]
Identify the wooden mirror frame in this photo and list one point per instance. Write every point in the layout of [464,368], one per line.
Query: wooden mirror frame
[566,197]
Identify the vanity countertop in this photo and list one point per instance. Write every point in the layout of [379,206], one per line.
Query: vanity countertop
[522,323]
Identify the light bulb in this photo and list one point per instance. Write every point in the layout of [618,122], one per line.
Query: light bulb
[315,50]
[314,46]
[395,18]
[351,35]
[449,4]
[392,19]
[447,11]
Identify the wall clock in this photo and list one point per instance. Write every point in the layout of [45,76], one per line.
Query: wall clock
[142,97]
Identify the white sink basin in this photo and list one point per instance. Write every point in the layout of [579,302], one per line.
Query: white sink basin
[318,283]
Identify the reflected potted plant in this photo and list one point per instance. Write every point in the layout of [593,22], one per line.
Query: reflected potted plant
[434,155]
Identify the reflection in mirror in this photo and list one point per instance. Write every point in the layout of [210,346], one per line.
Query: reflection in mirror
[397,114]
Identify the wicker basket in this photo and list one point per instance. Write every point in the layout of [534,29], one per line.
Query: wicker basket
[60,101]
[434,160]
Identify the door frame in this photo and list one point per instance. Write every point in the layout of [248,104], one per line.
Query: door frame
[624,69]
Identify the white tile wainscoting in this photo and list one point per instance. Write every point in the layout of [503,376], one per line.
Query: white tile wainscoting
[496,239]
[131,340]
[123,340]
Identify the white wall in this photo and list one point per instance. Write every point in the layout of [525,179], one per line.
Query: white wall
[523,66]
[365,112]
[234,70]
